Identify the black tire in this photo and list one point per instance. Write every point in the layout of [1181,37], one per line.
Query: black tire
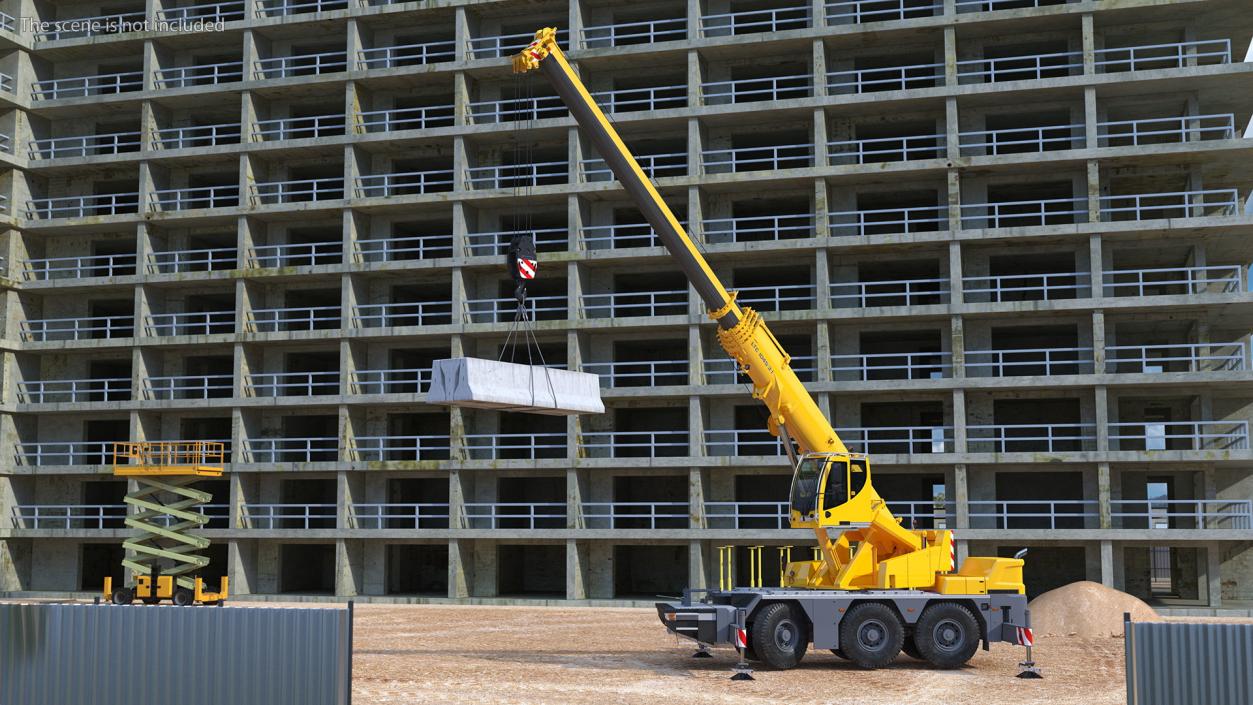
[871,634]
[151,600]
[123,596]
[779,634]
[184,597]
[947,635]
[840,653]
[910,649]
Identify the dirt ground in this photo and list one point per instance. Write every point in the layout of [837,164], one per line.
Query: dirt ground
[434,654]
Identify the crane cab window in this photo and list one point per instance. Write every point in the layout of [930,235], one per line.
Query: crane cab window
[805,484]
[835,492]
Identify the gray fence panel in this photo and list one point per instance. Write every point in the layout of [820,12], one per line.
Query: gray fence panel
[1170,663]
[101,655]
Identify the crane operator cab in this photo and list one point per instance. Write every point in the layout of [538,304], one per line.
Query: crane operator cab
[823,484]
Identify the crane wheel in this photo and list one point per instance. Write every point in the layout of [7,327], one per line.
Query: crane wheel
[871,634]
[947,635]
[123,596]
[779,635]
[910,649]
[184,597]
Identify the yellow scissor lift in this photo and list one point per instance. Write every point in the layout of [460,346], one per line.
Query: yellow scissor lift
[164,510]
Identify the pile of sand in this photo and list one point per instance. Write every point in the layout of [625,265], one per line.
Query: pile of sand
[1086,609]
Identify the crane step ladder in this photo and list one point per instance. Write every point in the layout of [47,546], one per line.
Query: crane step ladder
[165,554]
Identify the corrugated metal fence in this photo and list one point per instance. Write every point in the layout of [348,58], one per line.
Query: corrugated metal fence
[102,654]
[1172,663]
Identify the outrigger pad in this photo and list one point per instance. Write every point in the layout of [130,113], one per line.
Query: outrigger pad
[507,386]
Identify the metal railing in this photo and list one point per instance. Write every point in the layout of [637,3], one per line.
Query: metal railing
[288,516]
[785,156]
[1019,140]
[1016,214]
[64,453]
[516,175]
[85,145]
[925,514]
[201,75]
[1186,128]
[757,228]
[1179,435]
[404,183]
[502,45]
[398,515]
[635,303]
[40,330]
[1177,357]
[181,199]
[83,206]
[74,390]
[905,440]
[517,109]
[391,249]
[227,11]
[47,268]
[285,384]
[886,149]
[736,441]
[1176,55]
[1033,514]
[645,32]
[1028,438]
[865,367]
[197,260]
[406,55]
[1030,361]
[502,310]
[1182,513]
[777,19]
[724,370]
[418,118]
[886,78]
[269,320]
[69,516]
[1169,280]
[401,448]
[271,8]
[640,373]
[516,446]
[293,450]
[190,323]
[637,515]
[865,11]
[300,65]
[890,292]
[789,297]
[1177,204]
[993,5]
[888,221]
[390,381]
[620,235]
[79,27]
[219,386]
[83,86]
[514,515]
[1030,67]
[296,190]
[749,90]
[655,166]
[747,515]
[1047,286]
[197,136]
[635,444]
[295,128]
[497,242]
[402,313]
[296,254]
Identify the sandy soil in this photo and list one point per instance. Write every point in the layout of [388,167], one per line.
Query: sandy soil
[575,656]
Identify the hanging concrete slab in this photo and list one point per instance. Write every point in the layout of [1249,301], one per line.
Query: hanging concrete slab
[506,386]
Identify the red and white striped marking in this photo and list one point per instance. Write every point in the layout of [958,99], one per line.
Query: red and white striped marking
[527,267]
[741,638]
[952,551]
[1025,637]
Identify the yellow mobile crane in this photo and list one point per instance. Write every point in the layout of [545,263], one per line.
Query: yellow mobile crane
[878,586]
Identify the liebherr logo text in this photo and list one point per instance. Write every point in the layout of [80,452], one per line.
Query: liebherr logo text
[87,27]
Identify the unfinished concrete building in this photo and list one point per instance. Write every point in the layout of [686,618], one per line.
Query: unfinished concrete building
[1006,242]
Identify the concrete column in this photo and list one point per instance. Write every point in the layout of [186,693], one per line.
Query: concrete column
[696,564]
[822,210]
[460,562]
[1101,411]
[959,420]
[348,565]
[950,56]
[461,35]
[694,93]
[956,288]
[820,138]
[696,498]
[1096,266]
[695,357]
[576,570]
[822,352]
[957,346]
[1094,191]
[1090,131]
[1107,563]
[819,59]
[954,197]
[1098,342]
[952,129]
[1089,45]
[1213,575]
[574,499]
[961,495]
[695,428]
[1103,497]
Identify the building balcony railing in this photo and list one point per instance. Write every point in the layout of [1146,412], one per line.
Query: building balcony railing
[1029,438]
[735,441]
[619,236]
[390,57]
[202,75]
[886,149]
[1177,204]
[1030,67]
[866,11]
[1020,140]
[189,386]
[904,365]
[273,8]
[789,297]
[300,65]
[993,5]
[780,19]
[887,78]
[197,136]
[1046,286]
[288,516]
[422,118]
[6,143]
[905,440]
[625,33]
[85,145]
[895,292]
[1179,435]
[502,310]
[516,109]
[391,249]
[82,206]
[1187,128]
[49,268]
[514,515]
[635,444]
[296,254]
[635,303]
[401,448]
[516,446]
[747,515]
[182,199]
[398,515]
[497,242]
[888,221]
[724,370]
[404,313]
[787,156]
[297,190]
[1029,361]
[637,515]
[1017,214]
[225,11]
[79,27]
[292,384]
[640,373]
[297,128]
[69,516]
[74,390]
[655,166]
[628,100]
[517,175]
[1182,513]
[404,183]
[38,330]
[269,320]
[1177,357]
[503,45]
[390,381]
[1206,52]
[1190,280]
[198,260]
[190,323]
[82,86]
[750,90]
[755,228]
[1034,514]
[292,450]
[64,453]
